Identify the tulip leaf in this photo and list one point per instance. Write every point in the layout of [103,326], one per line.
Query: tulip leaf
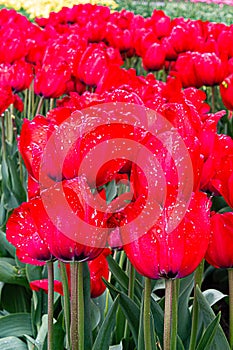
[141,344]
[15,298]
[186,286]
[12,274]
[122,278]
[9,343]
[7,246]
[213,296]
[103,338]
[15,324]
[220,340]
[129,308]
[209,334]
[158,315]
[116,347]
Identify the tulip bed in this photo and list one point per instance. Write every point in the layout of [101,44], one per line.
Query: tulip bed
[132,249]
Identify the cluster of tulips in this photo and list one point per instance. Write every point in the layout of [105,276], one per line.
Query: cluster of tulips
[83,59]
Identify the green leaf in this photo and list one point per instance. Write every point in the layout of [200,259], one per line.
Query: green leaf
[158,316]
[15,324]
[4,242]
[220,340]
[122,278]
[116,347]
[103,338]
[184,327]
[59,333]
[16,298]
[111,191]
[129,308]
[209,334]
[10,343]
[95,315]
[42,333]
[12,274]
[213,296]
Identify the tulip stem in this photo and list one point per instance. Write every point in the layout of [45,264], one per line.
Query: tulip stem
[131,274]
[74,306]
[167,315]
[40,103]
[66,301]
[3,137]
[197,282]
[80,307]
[146,315]
[213,98]
[230,281]
[50,303]
[175,297]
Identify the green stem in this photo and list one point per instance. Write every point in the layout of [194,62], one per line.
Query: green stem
[175,297]
[74,306]
[167,315]
[51,103]
[25,102]
[197,282]
[107,291]
[131,274]
[122,259]
[80,307]
[3,137]
[29,112]
[66,301]
[230,281]
[39,105]
[50,304]
[213,98]
[146,315]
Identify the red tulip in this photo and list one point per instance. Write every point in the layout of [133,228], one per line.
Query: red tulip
[175,254]
[24,234]
[41,231]
[210,69]
[6,97]
[52,80]
[21,75]
[226,91]
[98,268]
[92,66]
[219,252]
[154,58]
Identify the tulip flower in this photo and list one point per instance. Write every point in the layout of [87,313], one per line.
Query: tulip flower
[175,254]
[219,252]
[6,97]
[98,268]
[40,233]
[226,91]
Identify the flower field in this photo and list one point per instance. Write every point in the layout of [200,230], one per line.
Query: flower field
[116,176]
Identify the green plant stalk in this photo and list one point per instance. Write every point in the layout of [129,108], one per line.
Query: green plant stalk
[80,308]
[213,98]
[66,301]
[107,291]
[230,281]
[167,315]
[175,298]
[39,105]
[29,106]
[197,282]
[50,304]
[3,138]
[131,274]
[74,306]
[146,315]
